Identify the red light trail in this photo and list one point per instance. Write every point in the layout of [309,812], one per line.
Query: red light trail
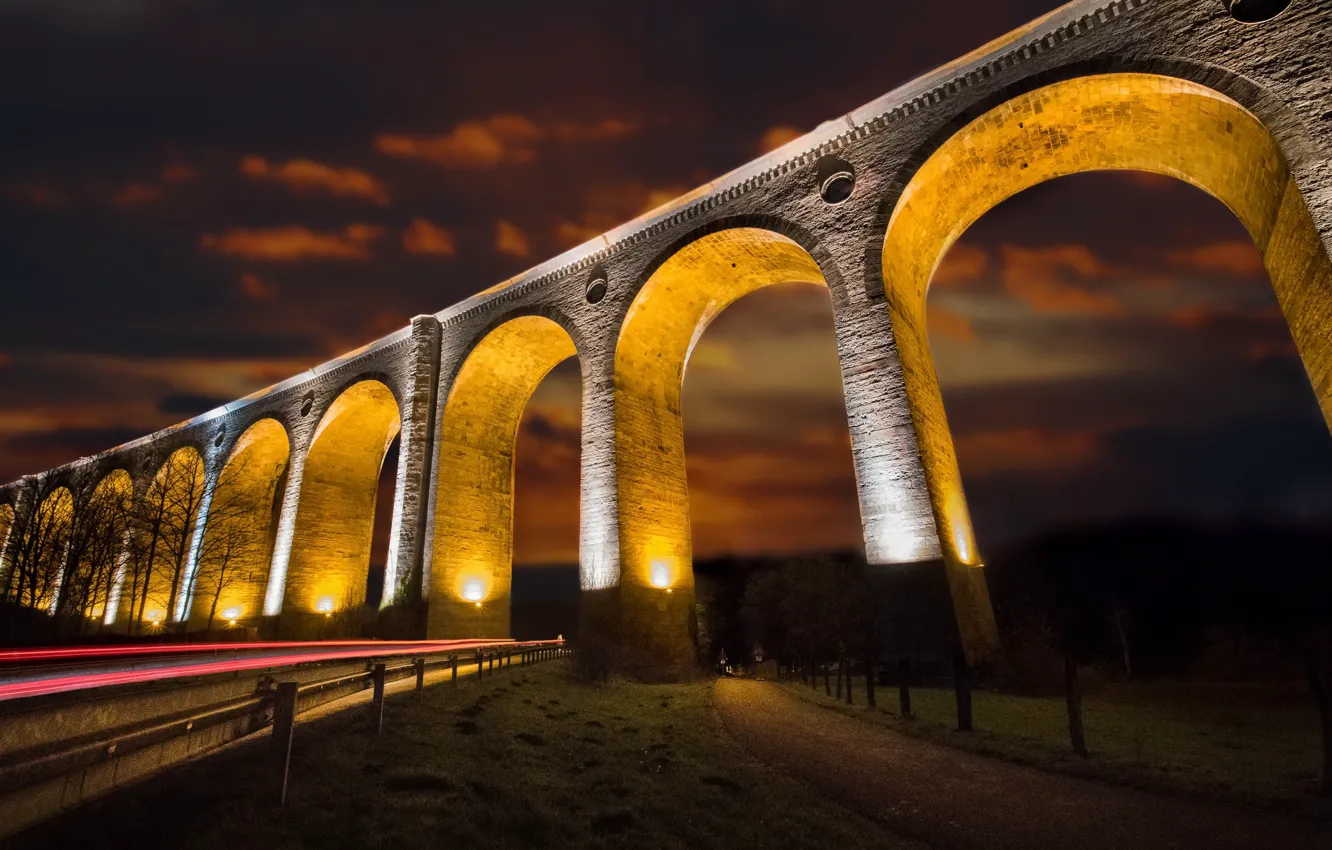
[77,681]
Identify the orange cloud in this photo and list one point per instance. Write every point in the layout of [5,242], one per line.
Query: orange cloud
[1033,275]
[257,289]
[178,173]
[777,136]
[1147,179]
[1237,257]
[572,233]
[136,195]
[1025,449]
[1264,349]
[305,175]
[424,237]
[294,242]
[609,205]
[1197,316]
[506,139]
[949,324]
[498,140]
[38,194]
[509,239]
[962,264]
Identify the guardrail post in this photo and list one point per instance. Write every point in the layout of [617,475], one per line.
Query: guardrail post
[420,677]
[284,725]
[454,659]
[377,705]
[492,663]
[480,664]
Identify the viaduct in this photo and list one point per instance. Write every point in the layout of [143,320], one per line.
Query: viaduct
[1232,96]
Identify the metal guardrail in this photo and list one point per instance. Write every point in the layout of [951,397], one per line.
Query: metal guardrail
[43,780]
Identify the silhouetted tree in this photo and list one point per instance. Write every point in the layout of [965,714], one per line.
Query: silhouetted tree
[39,543]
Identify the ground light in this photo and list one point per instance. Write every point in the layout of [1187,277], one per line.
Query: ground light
[661,575]
[473,591]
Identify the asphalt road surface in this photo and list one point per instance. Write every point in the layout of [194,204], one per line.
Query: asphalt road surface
[955,799]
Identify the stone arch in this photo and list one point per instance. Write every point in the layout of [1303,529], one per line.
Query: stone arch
[6,528]
[167,511]
[233,559]
[38,553]
[682,295]
[1283,123]
[330,548]
[1137,121]
[471,568]
[108,508]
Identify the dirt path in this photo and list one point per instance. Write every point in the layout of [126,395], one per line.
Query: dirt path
[951,798]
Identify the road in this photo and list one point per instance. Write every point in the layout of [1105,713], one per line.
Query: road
[37,672]
[955,799]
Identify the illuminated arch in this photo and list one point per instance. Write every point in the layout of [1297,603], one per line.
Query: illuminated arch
[472,567]
[6,527]
[109,507]
[232,573]
[44,543]
[169,510]
[1134,121]
[335,520]
[667,318]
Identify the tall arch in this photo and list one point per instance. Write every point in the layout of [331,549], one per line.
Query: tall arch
[166,514]
[6,528]
[330,549]
[37,556]
[1134,121]
[103,525]
[472,564]
[233,559]
[666,319]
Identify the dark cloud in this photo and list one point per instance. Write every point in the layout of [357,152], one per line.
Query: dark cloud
[200,198]
[188,405]
[65,443]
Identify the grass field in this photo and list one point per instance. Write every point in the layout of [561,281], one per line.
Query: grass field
[528,758]
[1254,744]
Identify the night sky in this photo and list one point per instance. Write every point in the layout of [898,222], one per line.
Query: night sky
[202,197]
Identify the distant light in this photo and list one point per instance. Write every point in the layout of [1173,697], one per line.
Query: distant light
[231,614]
[325,606]
[670,590]
[661,574]
[473,591]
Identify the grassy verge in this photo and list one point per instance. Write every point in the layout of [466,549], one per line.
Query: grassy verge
[528,758]
[1243,745]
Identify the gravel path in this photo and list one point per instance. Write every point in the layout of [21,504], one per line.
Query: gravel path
[950,798]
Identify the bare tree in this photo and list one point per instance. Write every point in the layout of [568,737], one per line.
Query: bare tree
[237,540]
[96,538]
[164,522]
[39,545]
[223,564]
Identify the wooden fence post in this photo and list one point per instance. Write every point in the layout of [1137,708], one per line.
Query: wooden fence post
[904,687]
[377,704]
[962,688]
[284,726]
[420,677]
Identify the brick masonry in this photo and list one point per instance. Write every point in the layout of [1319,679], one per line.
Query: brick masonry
[1279,71]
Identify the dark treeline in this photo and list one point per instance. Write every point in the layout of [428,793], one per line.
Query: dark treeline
[1133,599]
[87,558]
